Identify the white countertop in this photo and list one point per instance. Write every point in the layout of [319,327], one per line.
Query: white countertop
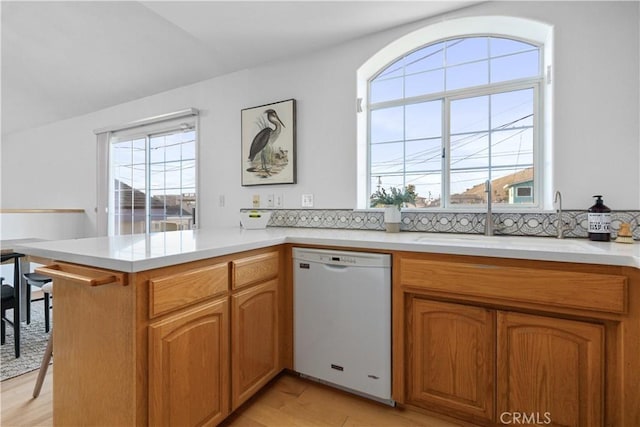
[141,252]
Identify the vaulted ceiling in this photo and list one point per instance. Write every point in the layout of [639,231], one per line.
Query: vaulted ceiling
[62,59]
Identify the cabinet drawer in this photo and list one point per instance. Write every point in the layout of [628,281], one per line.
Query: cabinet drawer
[590,291]
[254,269]
[172,292]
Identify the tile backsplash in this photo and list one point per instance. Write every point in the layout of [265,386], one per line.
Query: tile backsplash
[516,224]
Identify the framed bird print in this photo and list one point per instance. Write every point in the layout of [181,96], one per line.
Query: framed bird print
[269,144]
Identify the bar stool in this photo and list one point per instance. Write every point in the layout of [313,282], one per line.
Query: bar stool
[47,288]
[38,280]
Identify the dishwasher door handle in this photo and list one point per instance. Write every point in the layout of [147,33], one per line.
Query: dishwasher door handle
[335,266]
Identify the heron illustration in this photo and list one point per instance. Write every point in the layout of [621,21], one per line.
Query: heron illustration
[266,137]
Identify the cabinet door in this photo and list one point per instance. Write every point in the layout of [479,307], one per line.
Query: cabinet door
[451,358]
[254,340]
[189,366]
[551,369]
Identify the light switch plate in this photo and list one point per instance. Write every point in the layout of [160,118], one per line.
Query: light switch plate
[307,200]
[256,200]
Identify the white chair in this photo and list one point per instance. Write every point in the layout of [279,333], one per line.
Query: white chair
[48,289]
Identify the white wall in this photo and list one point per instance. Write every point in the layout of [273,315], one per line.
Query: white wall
[43,225]
[596,112]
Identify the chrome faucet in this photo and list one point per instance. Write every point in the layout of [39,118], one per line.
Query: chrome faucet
[560,226]
[488,222]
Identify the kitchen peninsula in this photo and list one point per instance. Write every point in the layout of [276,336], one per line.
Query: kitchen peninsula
[183,327]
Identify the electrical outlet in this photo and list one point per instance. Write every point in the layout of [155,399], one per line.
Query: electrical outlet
[270,199]
[307,200]
[256,200]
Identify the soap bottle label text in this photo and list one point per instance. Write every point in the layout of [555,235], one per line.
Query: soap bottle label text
[599,222]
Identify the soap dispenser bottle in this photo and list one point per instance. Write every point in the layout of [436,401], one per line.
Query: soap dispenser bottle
[599,219]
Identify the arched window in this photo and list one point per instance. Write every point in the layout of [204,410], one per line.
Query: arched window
[452,113]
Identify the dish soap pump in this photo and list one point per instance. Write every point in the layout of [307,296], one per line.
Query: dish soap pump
[599,218]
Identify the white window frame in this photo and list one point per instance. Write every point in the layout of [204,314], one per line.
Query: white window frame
[150,125]
[525,30]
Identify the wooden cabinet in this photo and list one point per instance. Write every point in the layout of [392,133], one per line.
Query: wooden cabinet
[213,337]
[254,337]
[189,367]
[481,340]
[451,360]
[254,269]
[156,347]
[551,366]
[473,338]
[172,292]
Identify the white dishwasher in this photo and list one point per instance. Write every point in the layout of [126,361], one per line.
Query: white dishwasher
[342,320]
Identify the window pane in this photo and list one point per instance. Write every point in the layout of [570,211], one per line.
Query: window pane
[387,158]
[512,109]
[166,175]
[172,147]
[386,89]
[128,224]
[423,120]
[394,70]
[470,114]
[513,67]
[428,188]
[188,174]
[466,50]
[424,83]
[123,199]
[387,181]
[424,155]
[467,187]
[188,145]
[500,46]
[164,148]
[122,175]
[139,149]
[387,124]
[169,211]
[511,181]
[512,148]
[427,58]
[157,176]
[127,174]
[469,151]
[121,153]
[467,75]
[139,177]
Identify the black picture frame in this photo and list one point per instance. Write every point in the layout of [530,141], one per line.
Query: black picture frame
[268,139]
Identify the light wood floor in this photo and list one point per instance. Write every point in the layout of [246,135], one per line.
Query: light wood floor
[287,401]
[19,408]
